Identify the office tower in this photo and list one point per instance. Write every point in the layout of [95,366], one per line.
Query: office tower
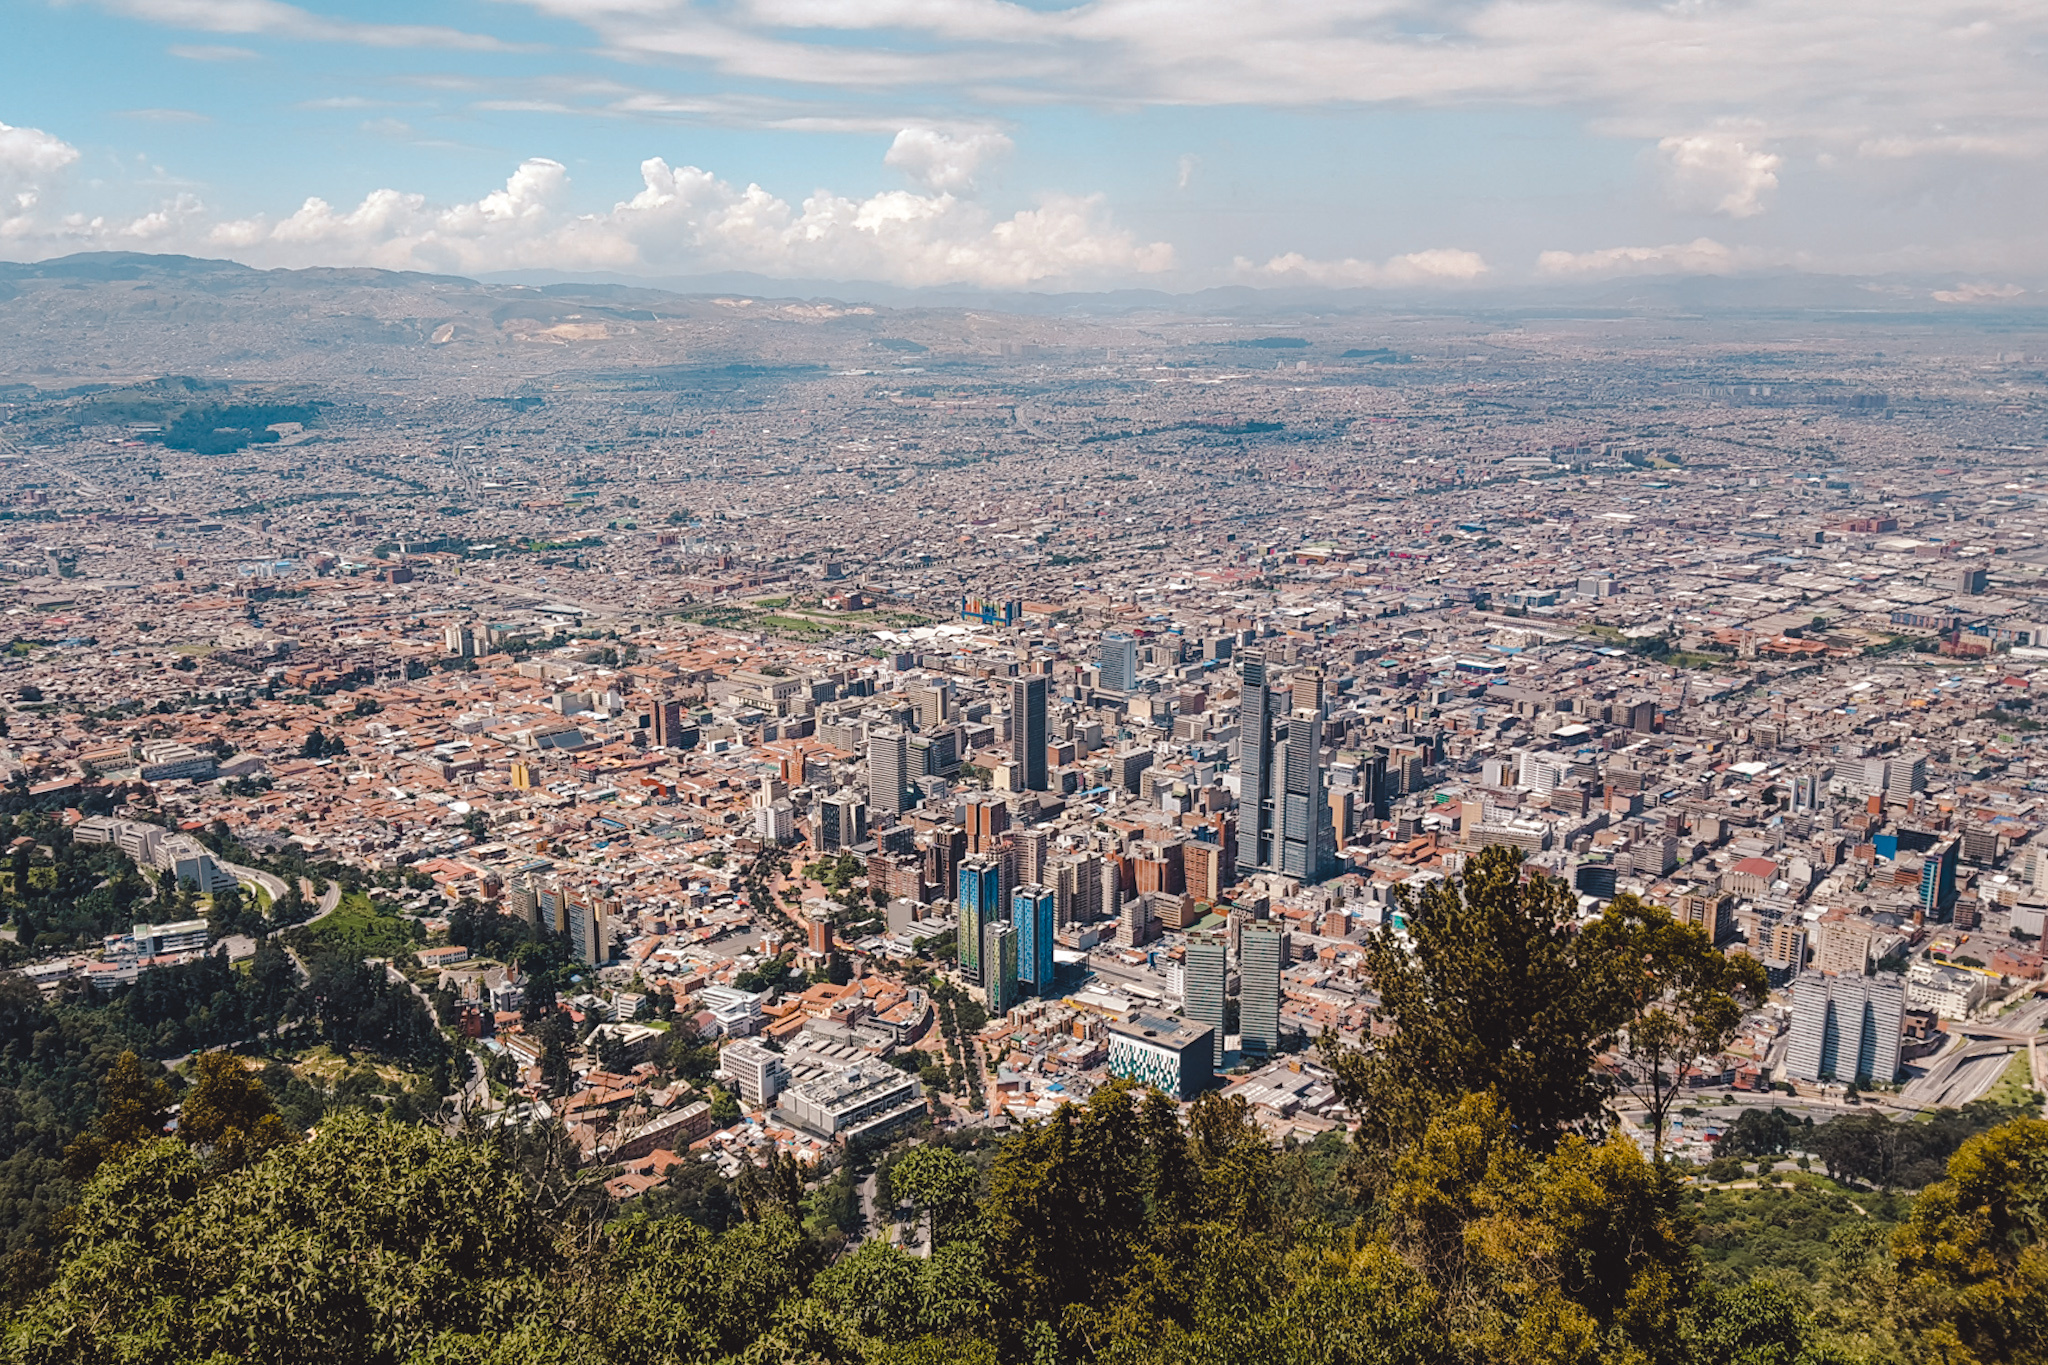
[1032,911]
[1844,948]
[671,729]
[1118,658]
[981,904]
[586,929]
[988,818]
[1846,1028]
[1263,949]
[459,641]
[1306,690]
[1305,842]
[1254,765]
[1906,777]
[1032,855]
[842,820]
[888,770]
[1938,880]
[1027,728]
[548,905]
[943,854]
[1110,895]
[999,966]
[1206,869]
[1206,978]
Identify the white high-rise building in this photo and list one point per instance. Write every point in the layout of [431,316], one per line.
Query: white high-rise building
[1846,1027]
[1205,981]
[1263,949]
[888,771]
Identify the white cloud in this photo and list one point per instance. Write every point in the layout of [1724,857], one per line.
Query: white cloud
[1804,71]
[687,219]
[31,154]
[29,160]
[1703,256]
[1721,172]
[277,19]
[1439,265]
[944,161]
[210,52]
[1978,293]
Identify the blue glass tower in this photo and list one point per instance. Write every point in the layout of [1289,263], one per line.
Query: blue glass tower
[1031,910]
[981,904]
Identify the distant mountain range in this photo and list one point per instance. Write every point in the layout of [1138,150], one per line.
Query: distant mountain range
[1789,291]
[106,318]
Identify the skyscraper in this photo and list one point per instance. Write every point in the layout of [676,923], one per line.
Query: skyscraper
[999,966]
[1118,658]
[1263,949]
[842,821]
[1254,765]
[1205,977]
[981,904]
[1305,842]
[1846,1027]
[1031,910]
[1027,728]
[1938,880]
[671,729]
[888,769]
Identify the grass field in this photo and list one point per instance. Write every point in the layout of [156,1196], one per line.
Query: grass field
[2015,1084]
[356,929]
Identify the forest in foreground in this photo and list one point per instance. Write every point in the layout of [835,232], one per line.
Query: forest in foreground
[1487,1209]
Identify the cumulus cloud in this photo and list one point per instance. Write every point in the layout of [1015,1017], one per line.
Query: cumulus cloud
[1979,293]
[1702,256]
[1720,171]
[31,153]
[943,161]
[686,218]
[1439,265]
[29,159]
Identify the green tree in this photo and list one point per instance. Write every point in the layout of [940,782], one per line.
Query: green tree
[1971,1257]
[1687,998]
[939,1183]
[228,1113]
[135,1105]
[1499,992]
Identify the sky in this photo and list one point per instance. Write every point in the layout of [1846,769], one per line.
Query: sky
[1172,144]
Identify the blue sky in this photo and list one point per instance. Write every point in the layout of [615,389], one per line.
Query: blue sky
[1172,143]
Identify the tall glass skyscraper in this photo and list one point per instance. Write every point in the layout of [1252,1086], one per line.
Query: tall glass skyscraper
[1032,911]
[1027,728]
[1255,765]
[1306,842]
[981,904]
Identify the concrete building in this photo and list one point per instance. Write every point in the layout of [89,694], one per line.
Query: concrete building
[1846,1028]
[1263,950]
[759,1073]
[888,771]
[1169,1053]
[867,1101]
[1118,660]
[1205,978]
[1255,765]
